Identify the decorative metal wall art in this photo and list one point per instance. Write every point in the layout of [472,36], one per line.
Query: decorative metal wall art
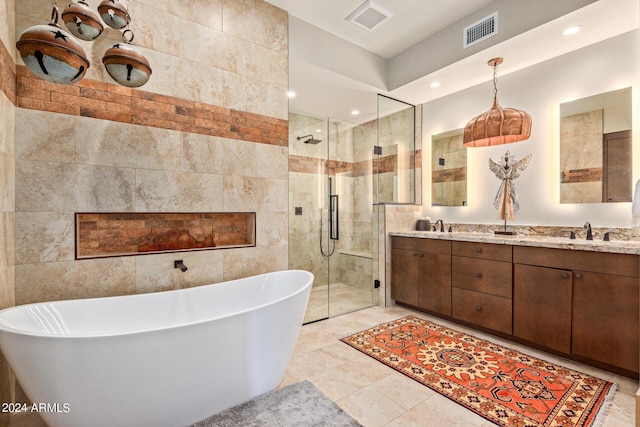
[82,21]
[51,53]
[498,125]
[54,55]
[114,14]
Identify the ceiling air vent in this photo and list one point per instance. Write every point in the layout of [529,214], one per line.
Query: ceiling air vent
[368,15]
[480,30]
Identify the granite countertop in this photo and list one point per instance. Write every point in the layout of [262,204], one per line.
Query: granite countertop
[619,246]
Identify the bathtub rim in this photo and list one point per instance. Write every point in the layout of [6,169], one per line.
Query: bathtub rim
[25,332]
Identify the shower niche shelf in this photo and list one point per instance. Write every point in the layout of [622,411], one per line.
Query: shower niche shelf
[100,235]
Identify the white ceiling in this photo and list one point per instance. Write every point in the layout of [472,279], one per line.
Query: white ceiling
[325,93]
[412,20]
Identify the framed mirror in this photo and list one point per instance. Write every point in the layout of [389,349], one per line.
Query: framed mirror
[448,169]
[596,149]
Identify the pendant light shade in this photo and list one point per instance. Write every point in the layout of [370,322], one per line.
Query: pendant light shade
[82,21]
[498,125]
[127,65]
[51,53]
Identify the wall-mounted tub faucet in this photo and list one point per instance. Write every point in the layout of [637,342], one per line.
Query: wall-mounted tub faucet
[179,264]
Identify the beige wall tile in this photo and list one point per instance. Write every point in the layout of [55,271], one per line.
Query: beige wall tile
[245,21]
[248,94]
[106,143]
[7,183]
[273,161]
[247,262]
[8,237]
[8,27]
[157,273]
[159,191]
[44,237]
[61,187]
[207,13]
[7,126]
[75,279]
[246,194]
[271,229]
[155,29]
[44,136]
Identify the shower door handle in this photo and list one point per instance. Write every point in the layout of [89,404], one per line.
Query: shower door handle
[334,217]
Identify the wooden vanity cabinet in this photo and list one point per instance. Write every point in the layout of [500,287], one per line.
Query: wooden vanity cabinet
[593,313]
[605,318]
[421,273]
[481,285]
[542,306]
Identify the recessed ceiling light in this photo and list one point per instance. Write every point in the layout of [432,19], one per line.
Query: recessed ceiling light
[291,94]
[355,112]
[434,84]
[571,30]
[318,130]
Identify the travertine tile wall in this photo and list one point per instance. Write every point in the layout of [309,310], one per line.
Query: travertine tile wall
[7,183]
[204,134]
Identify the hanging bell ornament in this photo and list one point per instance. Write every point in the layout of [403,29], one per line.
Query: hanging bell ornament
[114,14]
[126,64]
[82,21]
[51,53]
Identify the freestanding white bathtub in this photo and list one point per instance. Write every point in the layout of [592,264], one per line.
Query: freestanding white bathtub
[161,359]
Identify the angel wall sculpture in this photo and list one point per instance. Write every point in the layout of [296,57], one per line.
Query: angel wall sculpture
[506,200]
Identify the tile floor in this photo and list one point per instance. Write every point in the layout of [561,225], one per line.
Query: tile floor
[377,395]
[339,299]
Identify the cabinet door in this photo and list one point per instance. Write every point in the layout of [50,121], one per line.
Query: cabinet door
[435,283]
[542,306]
[404,276]
[605,318]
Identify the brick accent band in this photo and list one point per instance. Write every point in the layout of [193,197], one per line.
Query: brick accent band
[107,101]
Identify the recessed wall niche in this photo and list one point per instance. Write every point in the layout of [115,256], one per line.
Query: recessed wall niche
[101,235]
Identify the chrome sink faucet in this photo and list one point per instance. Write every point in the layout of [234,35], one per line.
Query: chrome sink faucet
[441,225]
[587,227]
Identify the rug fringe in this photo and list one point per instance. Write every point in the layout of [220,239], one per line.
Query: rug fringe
[604,408]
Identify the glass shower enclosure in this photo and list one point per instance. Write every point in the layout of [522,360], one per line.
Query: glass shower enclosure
[338,173]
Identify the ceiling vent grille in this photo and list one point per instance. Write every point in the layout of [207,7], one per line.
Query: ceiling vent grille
[480,30]
[368,15]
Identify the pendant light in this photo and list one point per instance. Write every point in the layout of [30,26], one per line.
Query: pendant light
[51,53]
[498,125]
[82,21]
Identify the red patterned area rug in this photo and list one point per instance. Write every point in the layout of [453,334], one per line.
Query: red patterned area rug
[502,385]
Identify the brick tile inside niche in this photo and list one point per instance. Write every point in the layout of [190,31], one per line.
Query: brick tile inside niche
[118,234]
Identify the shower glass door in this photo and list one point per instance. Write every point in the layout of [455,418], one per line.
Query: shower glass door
[331,206]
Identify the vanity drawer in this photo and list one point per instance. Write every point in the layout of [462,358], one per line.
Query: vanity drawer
[422,245]
[482,250]
[481,275]
[489,311]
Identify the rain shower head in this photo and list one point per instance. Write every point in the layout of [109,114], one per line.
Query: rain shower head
[310,140]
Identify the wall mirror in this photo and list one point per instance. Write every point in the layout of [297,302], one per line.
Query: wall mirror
[595,149]
[448,169]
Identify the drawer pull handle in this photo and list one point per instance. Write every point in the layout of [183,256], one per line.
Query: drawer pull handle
[415,254]
[479,275]
[479,250]
[578,276]
[565,276]
[421,255]
[479,309]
